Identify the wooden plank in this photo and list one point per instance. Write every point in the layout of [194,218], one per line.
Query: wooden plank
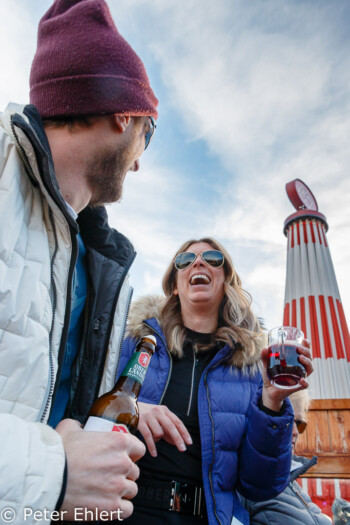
[326,431]
[329,466]
[322,433]
[306,443]
[330,404]
[339,426]
[327,436]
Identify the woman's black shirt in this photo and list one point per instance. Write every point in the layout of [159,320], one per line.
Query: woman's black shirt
[181,398]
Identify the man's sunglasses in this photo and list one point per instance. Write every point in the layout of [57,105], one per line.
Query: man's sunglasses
[301,425]
[184,260]
[149,134]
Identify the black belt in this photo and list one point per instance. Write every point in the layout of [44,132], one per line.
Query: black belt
[171,495]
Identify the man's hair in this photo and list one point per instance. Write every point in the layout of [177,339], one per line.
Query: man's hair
[236,323]
[70,122]
[301,398]
[73,122]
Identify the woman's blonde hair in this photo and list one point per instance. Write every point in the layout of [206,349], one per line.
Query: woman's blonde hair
[236,323]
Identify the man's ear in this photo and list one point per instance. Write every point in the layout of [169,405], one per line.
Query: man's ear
[122,122]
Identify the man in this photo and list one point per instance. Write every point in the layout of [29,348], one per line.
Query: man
[63,287]
[292,506]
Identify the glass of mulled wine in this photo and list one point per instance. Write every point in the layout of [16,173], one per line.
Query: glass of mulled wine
[284,369]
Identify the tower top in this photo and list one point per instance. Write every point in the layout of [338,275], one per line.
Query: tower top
[304,202]
[301,196]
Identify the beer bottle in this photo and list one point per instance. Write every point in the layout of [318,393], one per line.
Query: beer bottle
[117,409]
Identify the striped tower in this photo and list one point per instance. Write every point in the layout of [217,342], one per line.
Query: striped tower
[312,300]
[312,303]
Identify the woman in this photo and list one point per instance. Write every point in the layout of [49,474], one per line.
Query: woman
[203,393]
[293,506]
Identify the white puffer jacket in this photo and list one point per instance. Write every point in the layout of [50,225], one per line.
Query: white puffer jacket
[33,278]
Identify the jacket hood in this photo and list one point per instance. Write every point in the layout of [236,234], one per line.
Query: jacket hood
[305,465]
[146,307]
[150,306]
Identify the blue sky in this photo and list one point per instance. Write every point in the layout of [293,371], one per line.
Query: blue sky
[252,95]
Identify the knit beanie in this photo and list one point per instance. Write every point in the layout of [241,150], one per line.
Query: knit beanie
[83,66]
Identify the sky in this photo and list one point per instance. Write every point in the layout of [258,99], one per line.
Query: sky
[251,96]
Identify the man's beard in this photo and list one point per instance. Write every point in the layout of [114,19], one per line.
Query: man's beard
[105,175]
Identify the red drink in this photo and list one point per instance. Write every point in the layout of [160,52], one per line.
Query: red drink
[284,369]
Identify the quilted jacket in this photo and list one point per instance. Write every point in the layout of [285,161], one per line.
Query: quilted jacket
[243,448]
[292,507]
[38,251]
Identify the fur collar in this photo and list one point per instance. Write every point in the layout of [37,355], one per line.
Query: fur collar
[150,306]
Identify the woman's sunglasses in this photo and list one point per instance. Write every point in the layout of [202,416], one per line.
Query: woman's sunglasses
[301,425]
[184,260]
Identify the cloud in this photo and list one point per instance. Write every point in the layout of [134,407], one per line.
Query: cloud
[266,88]
[17,41]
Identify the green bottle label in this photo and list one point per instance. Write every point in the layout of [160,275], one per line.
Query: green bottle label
[137,366]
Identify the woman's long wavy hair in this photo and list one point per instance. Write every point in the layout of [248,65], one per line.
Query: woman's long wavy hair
[236,324]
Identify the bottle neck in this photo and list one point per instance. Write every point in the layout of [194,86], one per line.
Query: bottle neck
[135,371]
[129,384]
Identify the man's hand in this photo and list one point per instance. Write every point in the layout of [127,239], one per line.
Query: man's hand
[158,422]
[272,397]
[101,469]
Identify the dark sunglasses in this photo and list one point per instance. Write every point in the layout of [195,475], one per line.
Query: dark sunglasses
[184,260]
[149,134]
[301,425]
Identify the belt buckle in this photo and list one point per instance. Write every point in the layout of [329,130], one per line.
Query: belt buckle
[185,498]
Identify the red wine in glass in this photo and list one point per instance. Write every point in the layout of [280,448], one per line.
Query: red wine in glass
[284,369]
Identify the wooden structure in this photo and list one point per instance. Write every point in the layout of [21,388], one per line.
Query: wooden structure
[313,304]
[328,436]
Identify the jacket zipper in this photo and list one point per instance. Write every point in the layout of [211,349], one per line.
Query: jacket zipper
[67,314]
[213,447]
[51,382]
[296,492]
[109,329]
[54,305]
[169,373]
[170,360]
[125,320]
[192,381]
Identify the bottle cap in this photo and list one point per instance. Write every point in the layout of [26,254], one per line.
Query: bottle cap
[152,338]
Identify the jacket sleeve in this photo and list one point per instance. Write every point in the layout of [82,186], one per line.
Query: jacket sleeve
[267,447]
[287,508]
[32,466]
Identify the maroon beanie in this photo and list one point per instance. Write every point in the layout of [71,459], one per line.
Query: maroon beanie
[83,66]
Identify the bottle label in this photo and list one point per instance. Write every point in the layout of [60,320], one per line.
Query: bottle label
[98,424]
[137,366]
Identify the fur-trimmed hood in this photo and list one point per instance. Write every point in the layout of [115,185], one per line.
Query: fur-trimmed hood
[150,306]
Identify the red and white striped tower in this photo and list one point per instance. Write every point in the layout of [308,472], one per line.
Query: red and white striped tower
[312,300]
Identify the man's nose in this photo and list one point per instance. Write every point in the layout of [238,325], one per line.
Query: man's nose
[295,432]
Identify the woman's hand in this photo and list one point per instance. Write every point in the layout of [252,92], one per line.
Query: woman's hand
[158,422]
[273,397]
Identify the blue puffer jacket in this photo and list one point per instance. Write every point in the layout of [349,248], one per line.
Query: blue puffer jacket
[243,448]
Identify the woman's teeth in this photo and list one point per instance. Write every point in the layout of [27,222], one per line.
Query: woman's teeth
[200,279]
